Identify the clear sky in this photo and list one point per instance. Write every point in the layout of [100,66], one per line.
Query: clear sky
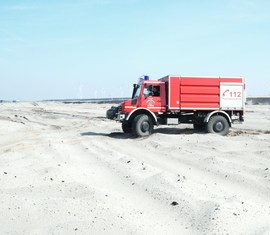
[61,49]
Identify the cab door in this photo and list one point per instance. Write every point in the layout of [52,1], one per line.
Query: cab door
[154,97]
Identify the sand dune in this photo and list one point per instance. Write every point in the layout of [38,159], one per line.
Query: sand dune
[66,169]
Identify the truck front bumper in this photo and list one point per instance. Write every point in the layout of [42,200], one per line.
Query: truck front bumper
[121,117]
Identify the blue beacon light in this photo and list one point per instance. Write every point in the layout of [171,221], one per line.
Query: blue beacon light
[146,78]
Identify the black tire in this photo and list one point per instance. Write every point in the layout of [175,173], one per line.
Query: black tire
[126,127]
[218,125]
[142,125]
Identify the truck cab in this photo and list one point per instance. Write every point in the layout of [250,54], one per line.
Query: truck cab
[146,94]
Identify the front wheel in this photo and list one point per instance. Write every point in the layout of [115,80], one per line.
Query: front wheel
[219,125]
[142,125]
[126,127]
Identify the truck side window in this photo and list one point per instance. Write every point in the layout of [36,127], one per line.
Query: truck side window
[156,90]
[147,91]
[151,91]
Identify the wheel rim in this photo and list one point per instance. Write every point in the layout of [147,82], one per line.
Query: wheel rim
[145,126]
[219,127]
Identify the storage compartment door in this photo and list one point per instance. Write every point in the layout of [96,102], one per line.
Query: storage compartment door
[174,93]
[232,96]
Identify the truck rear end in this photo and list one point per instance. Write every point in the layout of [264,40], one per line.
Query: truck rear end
[200,99]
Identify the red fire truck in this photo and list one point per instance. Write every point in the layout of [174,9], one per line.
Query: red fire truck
[210,103]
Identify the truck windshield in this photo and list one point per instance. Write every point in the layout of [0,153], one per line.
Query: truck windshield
[136,91]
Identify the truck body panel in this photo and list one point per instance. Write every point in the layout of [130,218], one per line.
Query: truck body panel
[209,93]
[232,96]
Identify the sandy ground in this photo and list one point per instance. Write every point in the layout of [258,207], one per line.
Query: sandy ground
[66,169]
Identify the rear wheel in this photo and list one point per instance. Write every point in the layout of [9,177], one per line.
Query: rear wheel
[142,125]
[126,127]
[219,125]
